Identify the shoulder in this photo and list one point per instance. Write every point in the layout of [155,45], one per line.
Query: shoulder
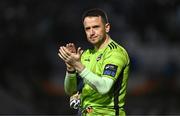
[115,50]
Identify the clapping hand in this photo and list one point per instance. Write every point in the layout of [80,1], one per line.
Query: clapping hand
[71,56]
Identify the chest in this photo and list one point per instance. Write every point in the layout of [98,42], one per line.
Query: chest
[94,62]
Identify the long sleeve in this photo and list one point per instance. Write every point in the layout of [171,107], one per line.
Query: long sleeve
[70,83]
[101,84]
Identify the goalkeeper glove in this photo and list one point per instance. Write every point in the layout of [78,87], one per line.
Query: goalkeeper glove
[75,101]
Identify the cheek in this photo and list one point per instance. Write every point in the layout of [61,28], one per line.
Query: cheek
[100,32]
[87,34]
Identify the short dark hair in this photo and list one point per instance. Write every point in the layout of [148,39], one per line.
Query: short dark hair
[95,12]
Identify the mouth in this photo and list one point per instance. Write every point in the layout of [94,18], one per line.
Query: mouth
[94,37]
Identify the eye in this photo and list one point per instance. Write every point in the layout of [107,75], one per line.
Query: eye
[87,28]
[96,26]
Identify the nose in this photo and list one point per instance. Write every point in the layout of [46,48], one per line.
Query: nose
[92,32]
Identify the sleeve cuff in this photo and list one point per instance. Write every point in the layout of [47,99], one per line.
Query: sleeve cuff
[70,74]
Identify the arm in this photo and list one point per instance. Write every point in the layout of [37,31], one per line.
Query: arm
[101,84]
[70,83]
[113,65]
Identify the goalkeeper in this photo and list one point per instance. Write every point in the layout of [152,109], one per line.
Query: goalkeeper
[103,69]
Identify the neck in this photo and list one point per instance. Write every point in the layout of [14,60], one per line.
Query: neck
[103,43]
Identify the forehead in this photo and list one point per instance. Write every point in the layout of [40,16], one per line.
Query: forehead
[92,20]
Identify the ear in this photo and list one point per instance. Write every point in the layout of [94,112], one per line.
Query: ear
[107,27]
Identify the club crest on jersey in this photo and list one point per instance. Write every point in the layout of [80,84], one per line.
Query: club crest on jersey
[110,69]
[99,57]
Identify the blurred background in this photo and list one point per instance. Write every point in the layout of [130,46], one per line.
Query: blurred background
[32,74]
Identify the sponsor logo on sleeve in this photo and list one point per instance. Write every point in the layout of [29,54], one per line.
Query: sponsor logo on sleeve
[110,69]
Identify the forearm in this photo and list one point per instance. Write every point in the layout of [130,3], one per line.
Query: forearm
[70,83]
[101,84]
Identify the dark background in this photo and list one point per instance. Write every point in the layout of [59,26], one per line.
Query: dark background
[32,74]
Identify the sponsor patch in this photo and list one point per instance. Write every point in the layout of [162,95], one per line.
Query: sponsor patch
[110,69]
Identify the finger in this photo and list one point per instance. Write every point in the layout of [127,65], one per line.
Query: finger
[80,51]
[68,45]
[66,51]
[61,56]
[63,53]
[72,47]
[60,48]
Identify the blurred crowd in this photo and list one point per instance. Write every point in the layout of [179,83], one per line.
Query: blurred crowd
[32,75]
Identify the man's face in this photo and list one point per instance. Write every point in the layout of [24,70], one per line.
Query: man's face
[95,29]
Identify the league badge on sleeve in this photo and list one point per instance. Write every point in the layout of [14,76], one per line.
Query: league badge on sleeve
[110,69]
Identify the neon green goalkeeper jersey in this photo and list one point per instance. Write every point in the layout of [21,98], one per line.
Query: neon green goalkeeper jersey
[112,62]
